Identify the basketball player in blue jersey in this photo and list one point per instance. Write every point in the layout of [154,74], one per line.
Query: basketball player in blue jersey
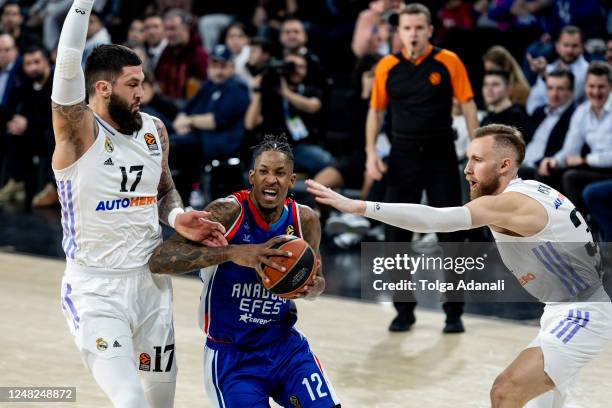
[111,166]
[253,352]
[545,243]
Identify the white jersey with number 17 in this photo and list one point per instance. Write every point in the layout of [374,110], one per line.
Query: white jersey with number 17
[109,199]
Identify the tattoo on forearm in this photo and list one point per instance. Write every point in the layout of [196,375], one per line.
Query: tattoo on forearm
[224,211]
[178,255]
[168,197]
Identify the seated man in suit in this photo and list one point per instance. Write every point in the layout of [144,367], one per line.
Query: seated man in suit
[547,127]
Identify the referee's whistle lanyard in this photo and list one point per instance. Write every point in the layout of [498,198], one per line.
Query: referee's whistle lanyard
[295,125]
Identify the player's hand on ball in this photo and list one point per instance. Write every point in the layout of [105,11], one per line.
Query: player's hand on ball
[327,196]
[313,289]
[197,226]
[253,256]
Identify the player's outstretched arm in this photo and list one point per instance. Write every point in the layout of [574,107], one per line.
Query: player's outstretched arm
[413,217]
[193,225]
[178,255]
[311,231]
[72,120]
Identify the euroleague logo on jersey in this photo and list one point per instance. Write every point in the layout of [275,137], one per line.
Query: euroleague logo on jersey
[435,78]
[151,142]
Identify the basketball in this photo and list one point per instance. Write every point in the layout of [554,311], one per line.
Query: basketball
[301,267]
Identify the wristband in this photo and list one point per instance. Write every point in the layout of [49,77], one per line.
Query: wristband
[173,214]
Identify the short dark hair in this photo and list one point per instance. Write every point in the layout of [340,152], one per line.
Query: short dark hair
[600,68]
[505,75]
[34,48]
[563,73]
[505,136]
[571,30]
[105,63]
[417,8]
[274,143]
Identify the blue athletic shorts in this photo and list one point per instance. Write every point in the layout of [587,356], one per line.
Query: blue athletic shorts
[286,370]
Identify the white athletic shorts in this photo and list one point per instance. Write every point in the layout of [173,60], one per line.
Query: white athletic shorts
[571,335]
[122,313]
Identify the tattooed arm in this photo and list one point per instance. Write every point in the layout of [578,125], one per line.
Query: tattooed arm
[178,255]
[168,197]
[311,232]
[75,129]
[73,122]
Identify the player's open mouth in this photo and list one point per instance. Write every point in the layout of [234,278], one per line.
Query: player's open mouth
[270,194]
[473,184]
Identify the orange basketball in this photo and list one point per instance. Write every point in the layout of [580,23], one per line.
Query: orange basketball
[301,268]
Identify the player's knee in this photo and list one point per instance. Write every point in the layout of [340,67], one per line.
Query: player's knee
[503,391]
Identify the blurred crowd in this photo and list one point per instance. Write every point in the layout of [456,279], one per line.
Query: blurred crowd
[221,74]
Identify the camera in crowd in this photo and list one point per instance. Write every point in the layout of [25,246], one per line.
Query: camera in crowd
[272,72]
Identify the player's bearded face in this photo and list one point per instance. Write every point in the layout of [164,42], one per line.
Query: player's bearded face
[484,187]
[127,117]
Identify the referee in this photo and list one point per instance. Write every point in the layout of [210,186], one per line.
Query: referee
[418,85]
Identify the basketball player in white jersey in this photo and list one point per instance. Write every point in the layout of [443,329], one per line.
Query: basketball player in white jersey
[539,234]
[111,166]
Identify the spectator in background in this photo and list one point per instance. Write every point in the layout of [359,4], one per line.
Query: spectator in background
[283,103]
[237,40]
[154,38]
[10,70]
[609,50]
[455,14]
[29,132]
[97,34]
[598,200]
[11,22]
[497,58]
[212,122]
[570,48]
[293,39]
[496,90]
[10,80]
[136,32]
[183,63]
[547,127]
[260,55]
[590,128]
[156,104]
[372,30]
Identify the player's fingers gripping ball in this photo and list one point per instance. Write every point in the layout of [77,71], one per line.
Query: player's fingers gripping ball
[301,267]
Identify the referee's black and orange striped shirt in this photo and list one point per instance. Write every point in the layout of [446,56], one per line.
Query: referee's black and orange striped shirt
[420,93]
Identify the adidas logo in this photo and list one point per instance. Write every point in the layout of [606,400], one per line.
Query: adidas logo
[109,162]
[116,343]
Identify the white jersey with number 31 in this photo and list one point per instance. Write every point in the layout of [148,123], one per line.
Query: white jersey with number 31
[109,199]
[559,263]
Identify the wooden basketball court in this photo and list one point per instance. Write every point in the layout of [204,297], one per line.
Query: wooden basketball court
[368,366]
